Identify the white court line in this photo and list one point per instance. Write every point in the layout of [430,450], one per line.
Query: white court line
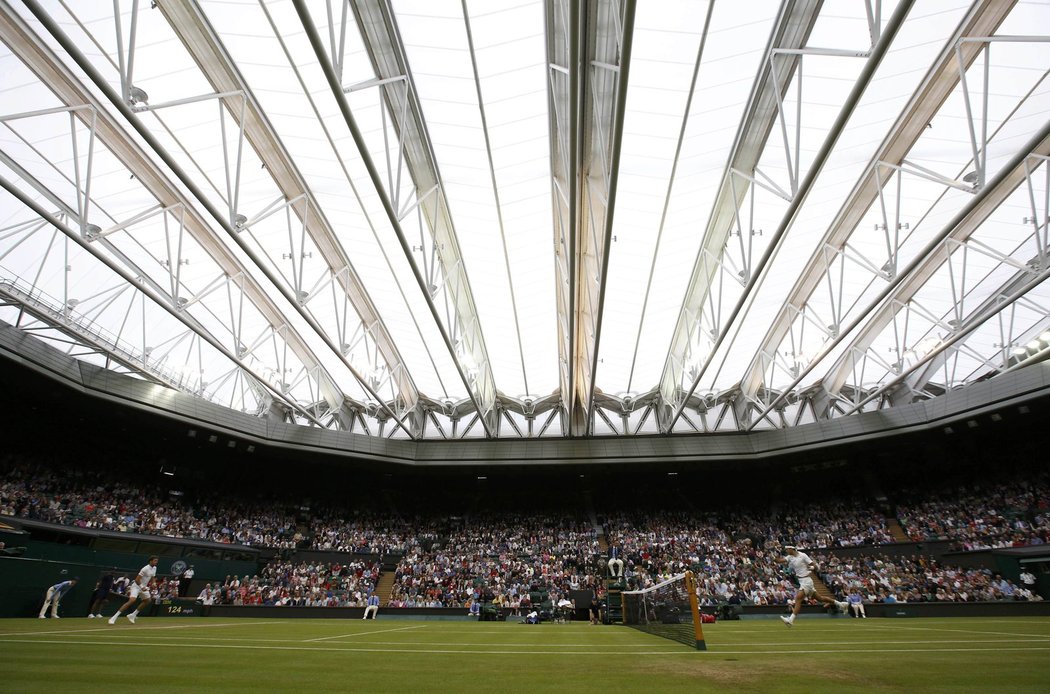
[137,628]
[960,631]
[613,630]
[362,633]
[685,650]
[162,638]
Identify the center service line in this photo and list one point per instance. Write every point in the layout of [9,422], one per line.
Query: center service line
[363,633]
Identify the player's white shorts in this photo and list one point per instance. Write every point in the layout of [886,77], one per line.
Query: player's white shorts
[806,586]
[142,593]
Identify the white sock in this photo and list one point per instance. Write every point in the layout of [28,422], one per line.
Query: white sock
[134,614]
[117,614]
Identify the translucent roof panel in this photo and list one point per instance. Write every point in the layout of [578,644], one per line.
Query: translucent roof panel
[350,214]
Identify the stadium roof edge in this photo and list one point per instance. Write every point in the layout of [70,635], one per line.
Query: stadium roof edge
[1014,389]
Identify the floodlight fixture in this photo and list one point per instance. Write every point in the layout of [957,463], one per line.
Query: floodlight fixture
[137,97]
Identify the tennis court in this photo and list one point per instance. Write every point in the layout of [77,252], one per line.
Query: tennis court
[397,655]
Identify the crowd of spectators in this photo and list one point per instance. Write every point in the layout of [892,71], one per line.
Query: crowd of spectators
[93,499]
[505,558]
[1009,513]
[733,555]
[830,523]
[515,558]
[880,578]
[298,584]
[365,532]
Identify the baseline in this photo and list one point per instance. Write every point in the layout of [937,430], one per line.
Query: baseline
[684,650]
[110,628]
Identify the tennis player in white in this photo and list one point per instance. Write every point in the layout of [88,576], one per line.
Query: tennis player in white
[139,590]
[803,566]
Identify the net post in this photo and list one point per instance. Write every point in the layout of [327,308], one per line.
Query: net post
[694,605]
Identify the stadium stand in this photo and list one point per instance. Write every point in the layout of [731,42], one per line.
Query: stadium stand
[880,578]
[516,558]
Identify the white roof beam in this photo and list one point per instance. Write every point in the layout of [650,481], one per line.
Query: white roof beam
[610,35]
[937,252]
[24,43]
[386,51]
[935,88]
[564,50]
[203,44]
[258,380]
[790,32]
[208,240]
[589,56]
[918,380]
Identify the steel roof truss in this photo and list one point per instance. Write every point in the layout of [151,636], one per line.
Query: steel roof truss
[794,24]
[891,159]
[55,315]
[192,29]
[961,323]
[112,345]
[562,30]
[67,88]
[409,159]
[602,86]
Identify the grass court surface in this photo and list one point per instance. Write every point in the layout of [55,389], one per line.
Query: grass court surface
[394,655]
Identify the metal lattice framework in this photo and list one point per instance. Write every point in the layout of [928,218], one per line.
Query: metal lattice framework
[421,220]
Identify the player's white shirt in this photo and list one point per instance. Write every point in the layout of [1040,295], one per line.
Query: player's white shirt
[146,574]
[799,563]
[140,588]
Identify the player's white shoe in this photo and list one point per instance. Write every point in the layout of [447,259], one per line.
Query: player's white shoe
[131,618]
[113,619]
[787,620]
[842,605]
[43,617]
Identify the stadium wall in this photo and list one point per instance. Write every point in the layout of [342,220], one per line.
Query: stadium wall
[917,609]
[270,612]
[934,548]
[24,582]
[124,552]
[941,609]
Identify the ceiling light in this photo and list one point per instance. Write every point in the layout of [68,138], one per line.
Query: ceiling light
[137,97]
